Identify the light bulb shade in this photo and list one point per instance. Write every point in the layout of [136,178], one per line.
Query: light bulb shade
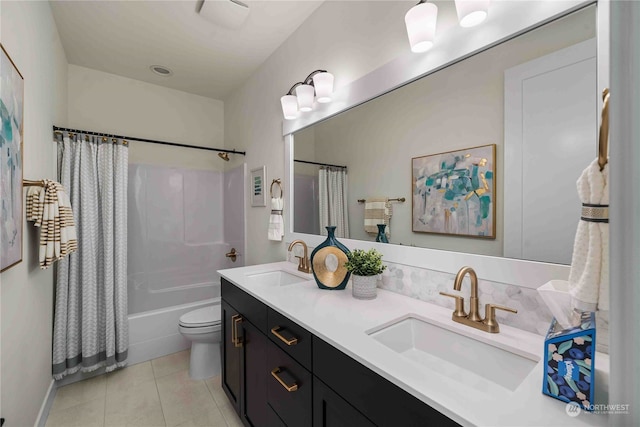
[323,83]
[289,107]
[421,26]
[472,12]
[305,97]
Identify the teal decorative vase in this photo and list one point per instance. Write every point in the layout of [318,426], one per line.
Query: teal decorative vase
[381,237]
[327,263]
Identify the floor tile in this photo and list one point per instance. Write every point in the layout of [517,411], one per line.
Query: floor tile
[228,412]
[171,363]
[137,405]
[80,392]
[215,387]
[230,416]
[131,376]
[188,402]
[87,414]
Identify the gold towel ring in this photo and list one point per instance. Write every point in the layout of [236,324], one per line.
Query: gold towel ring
[603,142]
[276,181]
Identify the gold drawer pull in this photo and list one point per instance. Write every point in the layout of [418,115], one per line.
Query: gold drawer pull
[236,318]
[289,388]
[292,341]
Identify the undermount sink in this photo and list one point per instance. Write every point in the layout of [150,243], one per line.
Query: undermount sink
[275,278]
[469,361]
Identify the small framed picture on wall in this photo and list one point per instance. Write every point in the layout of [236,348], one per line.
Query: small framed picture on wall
[258,195]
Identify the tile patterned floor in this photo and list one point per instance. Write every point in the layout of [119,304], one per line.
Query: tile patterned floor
[150,394]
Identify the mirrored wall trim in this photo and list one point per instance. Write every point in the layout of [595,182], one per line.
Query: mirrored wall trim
[509,19]
[529,274]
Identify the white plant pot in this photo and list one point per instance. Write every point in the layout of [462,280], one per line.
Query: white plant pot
[364,287]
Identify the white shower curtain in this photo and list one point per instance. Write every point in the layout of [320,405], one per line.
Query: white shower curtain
[91,328]
[333,200]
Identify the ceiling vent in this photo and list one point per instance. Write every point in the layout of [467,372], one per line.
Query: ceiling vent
[226,13]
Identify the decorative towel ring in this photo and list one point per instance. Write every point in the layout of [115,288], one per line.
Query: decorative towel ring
[276,181]
[603,143]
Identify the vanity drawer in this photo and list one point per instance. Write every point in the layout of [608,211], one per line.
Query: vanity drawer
[381,401]
[250,308]
[289,388]
[290,337]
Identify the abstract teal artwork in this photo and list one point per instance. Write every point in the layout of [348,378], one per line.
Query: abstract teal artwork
[454,192]
[11,114]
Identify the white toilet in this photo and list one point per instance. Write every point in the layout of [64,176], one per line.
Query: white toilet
[202,328]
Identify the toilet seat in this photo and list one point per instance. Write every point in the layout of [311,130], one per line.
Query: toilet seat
[201,318]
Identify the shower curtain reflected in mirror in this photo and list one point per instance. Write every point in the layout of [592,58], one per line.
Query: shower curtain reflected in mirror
[91,328]
[333,200]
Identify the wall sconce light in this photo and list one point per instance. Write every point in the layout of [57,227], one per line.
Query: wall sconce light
[317,86]
[421,25]
[472,12]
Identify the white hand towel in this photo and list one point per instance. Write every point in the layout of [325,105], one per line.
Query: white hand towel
[589,276]
[276,222]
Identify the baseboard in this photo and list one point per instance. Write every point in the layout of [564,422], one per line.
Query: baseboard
[46,405]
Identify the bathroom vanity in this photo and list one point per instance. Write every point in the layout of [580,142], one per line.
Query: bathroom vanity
[295,355]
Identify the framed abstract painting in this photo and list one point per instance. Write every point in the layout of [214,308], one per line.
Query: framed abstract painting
[11,115]
[454,192]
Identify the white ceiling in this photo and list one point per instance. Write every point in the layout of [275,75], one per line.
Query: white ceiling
[127,37]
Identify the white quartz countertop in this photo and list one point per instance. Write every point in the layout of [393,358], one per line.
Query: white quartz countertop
[343,321]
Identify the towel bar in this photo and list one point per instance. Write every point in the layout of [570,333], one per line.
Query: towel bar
[399,199]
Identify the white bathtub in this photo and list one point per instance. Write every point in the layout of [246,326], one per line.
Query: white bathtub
[155,333]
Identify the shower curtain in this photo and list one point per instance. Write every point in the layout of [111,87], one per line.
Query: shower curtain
[333,200]
[91,328]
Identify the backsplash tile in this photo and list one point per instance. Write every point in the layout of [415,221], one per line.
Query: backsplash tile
[425,285]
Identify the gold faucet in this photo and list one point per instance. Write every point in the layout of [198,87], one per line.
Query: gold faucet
[473,319]
[303,264]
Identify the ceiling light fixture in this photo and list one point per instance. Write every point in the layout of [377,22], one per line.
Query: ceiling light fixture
[421,26]
[472,12]
[161,70]
[317,86]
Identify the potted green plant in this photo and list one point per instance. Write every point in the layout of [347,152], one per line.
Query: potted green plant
[364,266]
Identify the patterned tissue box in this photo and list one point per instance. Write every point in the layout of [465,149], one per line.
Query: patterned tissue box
[570,368]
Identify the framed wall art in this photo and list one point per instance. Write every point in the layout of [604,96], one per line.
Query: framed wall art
[11,132]
[257,182]
[454,192]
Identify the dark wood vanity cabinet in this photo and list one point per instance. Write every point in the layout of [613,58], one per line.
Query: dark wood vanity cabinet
[231,356]
[244,346]
[277,374]
[331,410]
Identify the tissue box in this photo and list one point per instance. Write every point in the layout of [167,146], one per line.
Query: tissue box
[570,368]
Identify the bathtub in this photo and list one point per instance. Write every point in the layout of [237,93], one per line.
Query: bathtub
[155,333]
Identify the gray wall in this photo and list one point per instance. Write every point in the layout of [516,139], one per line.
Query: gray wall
[30,37]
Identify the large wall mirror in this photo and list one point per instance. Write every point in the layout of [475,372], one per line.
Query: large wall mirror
[534,96]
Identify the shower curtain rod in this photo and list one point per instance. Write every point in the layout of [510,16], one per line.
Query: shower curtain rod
[319,164]
[152,141]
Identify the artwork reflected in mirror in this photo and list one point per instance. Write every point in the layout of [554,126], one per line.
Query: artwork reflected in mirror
[454,192]
[543,141]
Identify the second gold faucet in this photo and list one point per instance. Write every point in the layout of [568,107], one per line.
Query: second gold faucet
[473,319]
